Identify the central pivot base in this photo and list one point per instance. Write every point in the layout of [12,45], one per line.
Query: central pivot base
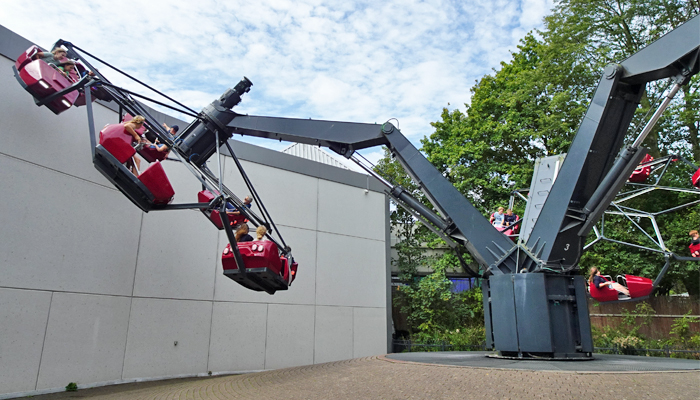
[537,316]
[543,357]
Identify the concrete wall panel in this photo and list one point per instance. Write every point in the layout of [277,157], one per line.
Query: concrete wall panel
[350,211]
[177,256]
[333,335]
[290,336]
[155,325]
[63,233]
[290,198]
[351,271]
[369,331]
[238,337]
[23,316]
[85,339]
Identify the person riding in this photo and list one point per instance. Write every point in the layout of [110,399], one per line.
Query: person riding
[171,129]
[694,243]
[67,68]
[242,234]
[497,218]
[52,58]
[130,128]
[509,219]
[595,279]
[231,210]
[260,232]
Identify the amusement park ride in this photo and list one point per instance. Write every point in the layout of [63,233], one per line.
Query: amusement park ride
[535,300]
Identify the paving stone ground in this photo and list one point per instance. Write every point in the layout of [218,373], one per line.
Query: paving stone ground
[381,378]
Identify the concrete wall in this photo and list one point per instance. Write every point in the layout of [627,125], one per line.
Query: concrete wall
[93,291]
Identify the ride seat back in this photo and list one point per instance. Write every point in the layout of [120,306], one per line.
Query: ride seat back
[155,179]
[214,216]
[603,294]
[26,57]
[696,179]
[641,174]
[639,286]
[117,142]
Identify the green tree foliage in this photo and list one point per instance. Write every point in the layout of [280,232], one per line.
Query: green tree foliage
[431,306]
[532,106]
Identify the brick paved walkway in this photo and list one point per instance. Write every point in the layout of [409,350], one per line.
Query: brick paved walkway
[379,378]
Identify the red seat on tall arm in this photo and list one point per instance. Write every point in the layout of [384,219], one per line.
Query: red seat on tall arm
[157,182]
[696,179]
[641,174]
[603,294]
[639,286]
[693,248]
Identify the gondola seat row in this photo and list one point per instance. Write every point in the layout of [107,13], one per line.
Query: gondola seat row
[638,287]
[42,80]
[641,174]
[150,190]
[148,153]
[214,216]
[265,269]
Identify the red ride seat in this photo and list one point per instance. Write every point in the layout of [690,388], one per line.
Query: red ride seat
[693,248]
[639,286]
[42,80]
[115,140]
[148,153]
[696,179]
[157,182]
[641,174]
[214,216]
[263,266]
[603,294]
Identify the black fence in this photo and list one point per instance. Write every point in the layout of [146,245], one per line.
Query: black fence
[407,346]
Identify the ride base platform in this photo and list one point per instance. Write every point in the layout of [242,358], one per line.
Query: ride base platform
[599,363]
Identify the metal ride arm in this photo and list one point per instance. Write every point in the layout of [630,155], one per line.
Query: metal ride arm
[460,220]
[592,175]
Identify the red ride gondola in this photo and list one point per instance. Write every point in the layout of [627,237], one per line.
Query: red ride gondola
[265,269]
[42,80]
[638,287]
[641,174]
[696,179]
[150,189]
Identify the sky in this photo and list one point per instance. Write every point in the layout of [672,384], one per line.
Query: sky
[360,61]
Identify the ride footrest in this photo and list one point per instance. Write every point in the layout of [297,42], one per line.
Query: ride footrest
[262,265]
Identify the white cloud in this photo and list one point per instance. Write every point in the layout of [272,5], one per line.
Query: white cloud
[359,61]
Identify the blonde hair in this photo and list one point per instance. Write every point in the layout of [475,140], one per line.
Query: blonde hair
[693,233]
[501,208]
[260,232]
[57,49]
[138,119]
